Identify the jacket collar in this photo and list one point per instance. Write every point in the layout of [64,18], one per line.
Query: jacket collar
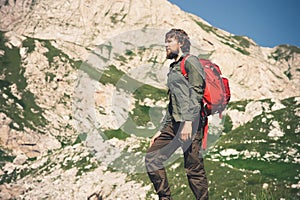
[179,60]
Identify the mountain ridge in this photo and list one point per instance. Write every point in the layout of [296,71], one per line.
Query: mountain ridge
[210,39]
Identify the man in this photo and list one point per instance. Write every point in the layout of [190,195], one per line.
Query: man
[182,126]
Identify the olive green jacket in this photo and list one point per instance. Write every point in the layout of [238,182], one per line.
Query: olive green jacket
[185,95]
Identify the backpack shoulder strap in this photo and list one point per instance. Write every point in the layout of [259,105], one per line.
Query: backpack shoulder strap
[182,66]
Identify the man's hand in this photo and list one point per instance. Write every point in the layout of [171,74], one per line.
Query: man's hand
[154,137]
[186,132]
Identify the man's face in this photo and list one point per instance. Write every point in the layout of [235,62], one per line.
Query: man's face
[172,47]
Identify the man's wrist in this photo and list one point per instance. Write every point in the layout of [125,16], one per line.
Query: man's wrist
[188,123]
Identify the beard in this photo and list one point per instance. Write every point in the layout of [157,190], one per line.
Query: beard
[172,54]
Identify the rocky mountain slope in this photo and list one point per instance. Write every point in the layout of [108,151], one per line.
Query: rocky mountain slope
[77,75]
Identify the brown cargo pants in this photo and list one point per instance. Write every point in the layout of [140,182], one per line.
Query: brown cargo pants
[163,147]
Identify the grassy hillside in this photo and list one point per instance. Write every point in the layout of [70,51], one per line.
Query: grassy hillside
[24,111]
[246,163]
[258,160]
[271,159]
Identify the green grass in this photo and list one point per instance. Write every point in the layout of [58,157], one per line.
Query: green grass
[238,48]
[25,112]
[225,182]
[279,171]
[52,52]
[232,183]
[140,115]
[121,58]
[242,41]
[237,177]
[238,43]
[5,157]
[80,138]
[64,140]
[284,52]
[238,105]
[19,173]
[49,77]
[29,44]
[261,125]
[55,52]
[148,91]
[129,53]
[119,134]
[91,71]
[114,76]
[205,27]
[84,164]
[227,124]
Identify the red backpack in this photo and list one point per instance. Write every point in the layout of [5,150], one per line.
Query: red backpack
[216,93]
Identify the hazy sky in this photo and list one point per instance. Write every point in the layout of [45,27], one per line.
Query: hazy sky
[268,22]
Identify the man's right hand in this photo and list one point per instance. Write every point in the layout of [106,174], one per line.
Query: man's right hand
[154,138]
[186,133]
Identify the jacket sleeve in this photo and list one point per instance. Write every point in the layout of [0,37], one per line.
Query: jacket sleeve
[196,79]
